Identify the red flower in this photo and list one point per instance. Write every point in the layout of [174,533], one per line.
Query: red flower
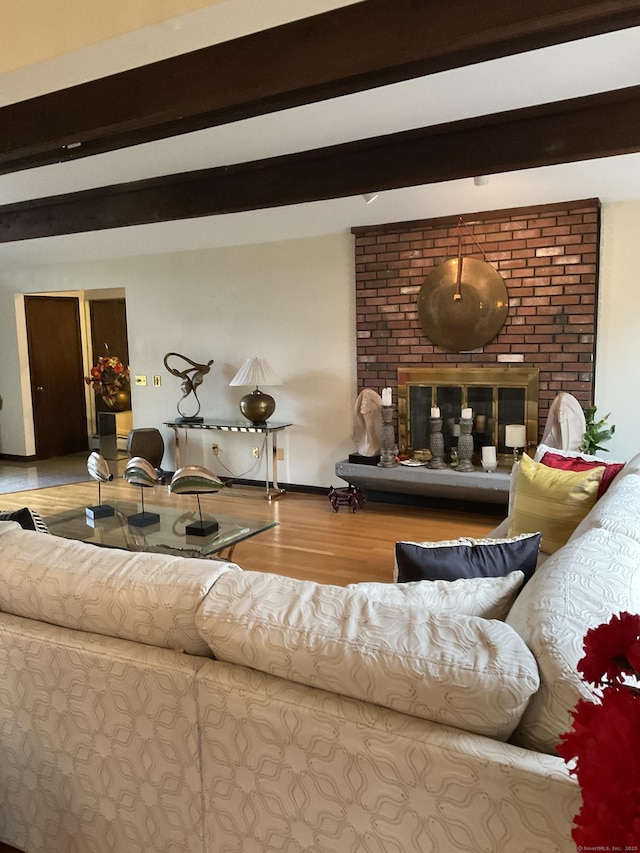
[611,649]
[603,746]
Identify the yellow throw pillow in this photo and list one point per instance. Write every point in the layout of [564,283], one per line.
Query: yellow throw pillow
[551,501]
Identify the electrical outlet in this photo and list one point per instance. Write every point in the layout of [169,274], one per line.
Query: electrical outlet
[214,449]
[141,380]
[256,452]
[157,381]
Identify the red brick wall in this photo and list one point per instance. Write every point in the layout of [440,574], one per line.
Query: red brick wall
[548,257]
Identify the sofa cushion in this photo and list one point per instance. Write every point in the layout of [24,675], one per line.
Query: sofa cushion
[581,462]
[466,558]
[490,598]
[149,598]
[595,576]
[475,674]
[552,502]
[27,518]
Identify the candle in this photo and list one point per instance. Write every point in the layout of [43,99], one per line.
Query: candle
[386,396]
[466,413]
[435,412]
[489,456]
[515,435]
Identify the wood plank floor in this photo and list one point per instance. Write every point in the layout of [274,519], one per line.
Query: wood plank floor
[311,542]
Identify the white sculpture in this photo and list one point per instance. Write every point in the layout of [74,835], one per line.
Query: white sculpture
[367,422]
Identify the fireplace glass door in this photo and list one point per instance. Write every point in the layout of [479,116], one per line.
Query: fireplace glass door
[497,397]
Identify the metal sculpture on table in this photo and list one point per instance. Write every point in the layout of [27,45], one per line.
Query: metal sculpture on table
[192,377]
[98,468]
[194,480]
[141,473]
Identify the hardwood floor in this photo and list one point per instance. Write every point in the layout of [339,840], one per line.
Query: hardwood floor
[311,542]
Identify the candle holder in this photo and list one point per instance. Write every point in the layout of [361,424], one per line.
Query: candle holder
[436,444]
[389,448]
[465,446]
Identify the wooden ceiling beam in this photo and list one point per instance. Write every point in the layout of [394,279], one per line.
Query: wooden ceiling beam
[357,47]
[595,126]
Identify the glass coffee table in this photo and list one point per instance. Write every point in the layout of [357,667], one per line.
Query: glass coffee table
[166,537]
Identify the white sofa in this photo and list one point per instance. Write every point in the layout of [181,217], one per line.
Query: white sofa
[369,719]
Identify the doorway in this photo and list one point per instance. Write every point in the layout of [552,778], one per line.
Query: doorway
[55,360]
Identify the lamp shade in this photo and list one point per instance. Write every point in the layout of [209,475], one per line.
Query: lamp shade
[256,371]
[515,435]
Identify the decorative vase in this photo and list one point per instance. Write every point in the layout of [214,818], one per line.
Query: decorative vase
[436,444]
[465,446]
[121,402]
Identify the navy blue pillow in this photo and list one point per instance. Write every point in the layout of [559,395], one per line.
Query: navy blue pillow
[467,558]
[26,518]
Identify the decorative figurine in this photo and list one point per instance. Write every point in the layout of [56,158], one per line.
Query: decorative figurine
[141,473]
[194,480]
[98,468]
[190,384]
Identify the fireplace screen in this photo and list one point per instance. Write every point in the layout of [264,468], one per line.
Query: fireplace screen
[498,396]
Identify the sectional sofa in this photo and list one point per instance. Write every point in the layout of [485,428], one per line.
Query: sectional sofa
[156,703]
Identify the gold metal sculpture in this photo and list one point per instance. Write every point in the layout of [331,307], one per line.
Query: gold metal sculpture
[463,303]
[192,377]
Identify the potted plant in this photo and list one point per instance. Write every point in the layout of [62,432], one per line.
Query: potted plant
[595,432]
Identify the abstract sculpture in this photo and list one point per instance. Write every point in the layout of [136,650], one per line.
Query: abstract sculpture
[367,422]
[194,480]
[192,377]
[141,473]
[99,469]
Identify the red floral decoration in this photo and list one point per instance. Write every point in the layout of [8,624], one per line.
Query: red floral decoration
[603,746]
[109,377]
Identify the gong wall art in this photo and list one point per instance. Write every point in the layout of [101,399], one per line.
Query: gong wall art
[463,304]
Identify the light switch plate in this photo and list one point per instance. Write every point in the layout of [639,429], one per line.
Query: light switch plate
[141,380]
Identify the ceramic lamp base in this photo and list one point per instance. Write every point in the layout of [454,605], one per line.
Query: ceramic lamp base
[257,407]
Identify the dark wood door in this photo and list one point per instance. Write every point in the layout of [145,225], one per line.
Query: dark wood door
[57,385]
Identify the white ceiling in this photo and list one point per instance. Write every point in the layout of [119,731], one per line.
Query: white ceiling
[592,65]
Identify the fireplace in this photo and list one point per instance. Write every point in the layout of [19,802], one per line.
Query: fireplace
[497,396]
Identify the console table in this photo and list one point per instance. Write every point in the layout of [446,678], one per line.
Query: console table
[446,483]
[270,431]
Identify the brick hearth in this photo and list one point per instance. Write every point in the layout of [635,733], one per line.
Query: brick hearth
[548,256]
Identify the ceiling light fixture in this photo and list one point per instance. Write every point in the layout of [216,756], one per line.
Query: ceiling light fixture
[369,197]
[481,180]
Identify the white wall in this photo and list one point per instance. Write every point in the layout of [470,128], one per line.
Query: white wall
[289,302]
[617,387]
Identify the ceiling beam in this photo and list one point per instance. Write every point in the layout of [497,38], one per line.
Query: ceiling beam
[601,125]
[347,50]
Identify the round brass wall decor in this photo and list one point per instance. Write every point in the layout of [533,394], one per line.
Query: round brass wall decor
[463,311]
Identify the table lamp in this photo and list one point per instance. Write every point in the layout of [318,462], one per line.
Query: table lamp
[515,436]
[256,406]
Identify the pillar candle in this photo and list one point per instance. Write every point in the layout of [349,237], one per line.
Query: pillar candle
[386,396]
[515,435]
[435,412]
[466,413]
[489,456]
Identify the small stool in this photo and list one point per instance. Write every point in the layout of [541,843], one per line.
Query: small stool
[147,443]
[351,496]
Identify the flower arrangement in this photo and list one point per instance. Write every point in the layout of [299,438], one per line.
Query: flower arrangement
[602,748]
[109,377]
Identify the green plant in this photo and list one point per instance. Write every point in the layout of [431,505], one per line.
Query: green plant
[595,431]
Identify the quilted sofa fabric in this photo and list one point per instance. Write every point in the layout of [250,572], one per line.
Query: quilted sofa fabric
[475,674]
[100,743]
[490,598]
[581,586]
[151,599]
[292,770]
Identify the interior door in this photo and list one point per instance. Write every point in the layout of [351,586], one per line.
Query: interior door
[57,385]
[108,319]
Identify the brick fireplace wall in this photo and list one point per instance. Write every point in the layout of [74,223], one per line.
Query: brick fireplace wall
[548,257]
